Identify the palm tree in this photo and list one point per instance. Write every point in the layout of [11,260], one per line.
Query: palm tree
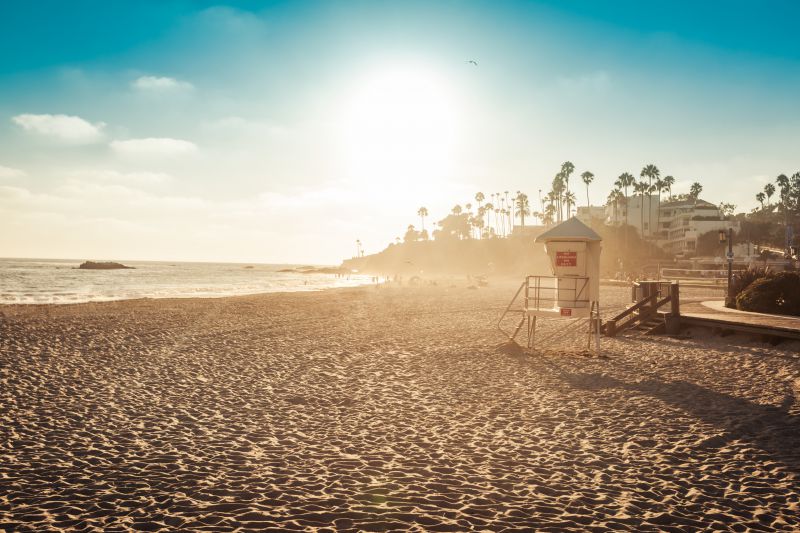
[422,212]
[510,217]
[513,215]
[624,181]
[477,221]
[669,181]
[411,234]
[760,197]
[570,200]
[613,200]
[456,210]
[502,213]
[650,172]
[522,207]
[770,190]
[587,179]
[549,214]
[694,192]
[479,197]
[559,186]
[566,171]
[783,182]
[659,185]
[641,187]
[618,197]
[488,208]
[551,199]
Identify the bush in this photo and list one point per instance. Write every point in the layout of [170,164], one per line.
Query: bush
[777,293]
[742,280]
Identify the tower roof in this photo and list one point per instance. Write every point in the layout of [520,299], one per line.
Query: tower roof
[569,230]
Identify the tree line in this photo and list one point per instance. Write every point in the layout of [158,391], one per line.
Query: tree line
[495,215]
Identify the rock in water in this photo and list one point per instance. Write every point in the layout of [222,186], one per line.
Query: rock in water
[101,265]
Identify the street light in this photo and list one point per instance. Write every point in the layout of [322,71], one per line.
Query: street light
[729,297]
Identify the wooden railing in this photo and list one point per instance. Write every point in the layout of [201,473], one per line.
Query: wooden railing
[645,308]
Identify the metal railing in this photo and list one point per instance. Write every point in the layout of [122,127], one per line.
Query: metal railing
[544,296]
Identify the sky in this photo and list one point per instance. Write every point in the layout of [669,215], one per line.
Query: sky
[282,132]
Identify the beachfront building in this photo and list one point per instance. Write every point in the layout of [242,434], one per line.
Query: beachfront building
[587,214]
[641,213]
[681,222]
[674,225]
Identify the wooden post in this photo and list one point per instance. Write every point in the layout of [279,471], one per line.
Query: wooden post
[675,299]
[673,319]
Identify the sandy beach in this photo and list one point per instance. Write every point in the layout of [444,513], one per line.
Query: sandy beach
[376,409]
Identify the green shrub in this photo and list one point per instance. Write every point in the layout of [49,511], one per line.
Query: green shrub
[777,293]
[742,280]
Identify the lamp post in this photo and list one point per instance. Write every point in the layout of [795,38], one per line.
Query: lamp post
[729,297]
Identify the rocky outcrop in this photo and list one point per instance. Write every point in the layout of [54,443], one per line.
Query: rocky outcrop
[102,265]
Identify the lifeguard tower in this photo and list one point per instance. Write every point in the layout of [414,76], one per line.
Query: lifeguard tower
[571,294]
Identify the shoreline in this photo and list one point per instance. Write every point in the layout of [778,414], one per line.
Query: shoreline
[504,281]
[178,298]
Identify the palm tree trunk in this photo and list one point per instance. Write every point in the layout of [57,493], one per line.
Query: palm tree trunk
[658,214]
[627,206]
[649,207]
[641,221]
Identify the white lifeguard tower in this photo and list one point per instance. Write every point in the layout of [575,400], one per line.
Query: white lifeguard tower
[571,293]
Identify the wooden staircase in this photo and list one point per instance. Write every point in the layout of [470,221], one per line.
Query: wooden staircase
[653,325]
[643,317]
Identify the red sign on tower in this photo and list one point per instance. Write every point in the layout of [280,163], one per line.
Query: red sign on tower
[566,259]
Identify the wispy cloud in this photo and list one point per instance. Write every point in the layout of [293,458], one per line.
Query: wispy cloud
[161,84]
[157,146]
[67,128]
[8,172]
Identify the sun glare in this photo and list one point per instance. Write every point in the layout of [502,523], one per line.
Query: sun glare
[399,127]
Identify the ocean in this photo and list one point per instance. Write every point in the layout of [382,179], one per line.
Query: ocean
[59,281]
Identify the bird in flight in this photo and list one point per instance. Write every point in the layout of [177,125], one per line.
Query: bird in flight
[472,62]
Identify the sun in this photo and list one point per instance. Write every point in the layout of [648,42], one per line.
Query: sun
[400,127]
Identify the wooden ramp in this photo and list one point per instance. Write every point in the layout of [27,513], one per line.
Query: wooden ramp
[712,314]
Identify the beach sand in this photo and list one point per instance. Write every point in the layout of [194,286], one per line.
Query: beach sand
[383,409]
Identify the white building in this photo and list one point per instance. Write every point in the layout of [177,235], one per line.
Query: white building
[681,222]
[631,213]
[675,225]
[587,213]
